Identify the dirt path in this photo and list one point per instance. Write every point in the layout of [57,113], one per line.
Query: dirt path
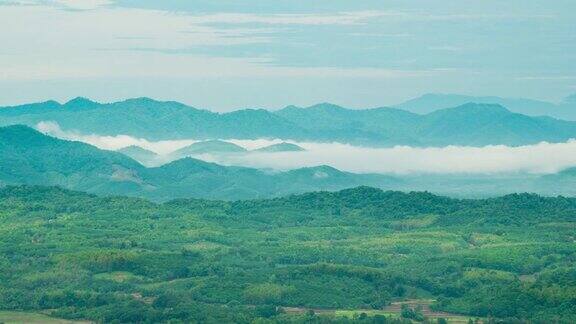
[393,308]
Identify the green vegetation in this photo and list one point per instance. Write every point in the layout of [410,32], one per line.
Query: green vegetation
[358,255]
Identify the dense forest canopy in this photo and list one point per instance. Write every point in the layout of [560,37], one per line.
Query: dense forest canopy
[119,259]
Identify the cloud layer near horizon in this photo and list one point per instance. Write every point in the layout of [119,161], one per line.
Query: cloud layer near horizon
[540,158]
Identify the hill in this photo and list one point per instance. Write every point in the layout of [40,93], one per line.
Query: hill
[431,102]
[280,147]
[151,119]
[486,124]
[469,124]
[209,147]
[139,154]
[29,157]
[379,126]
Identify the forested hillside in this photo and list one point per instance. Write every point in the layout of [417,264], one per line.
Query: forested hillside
[317,257]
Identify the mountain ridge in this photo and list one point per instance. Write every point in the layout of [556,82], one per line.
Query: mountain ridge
[375,127]
[430,102]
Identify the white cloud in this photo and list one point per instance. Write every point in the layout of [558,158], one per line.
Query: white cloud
[68,4]
[111,142]
[544,77]
[407,160]
[112,42]
[396,160]
[83,4]
[339,18]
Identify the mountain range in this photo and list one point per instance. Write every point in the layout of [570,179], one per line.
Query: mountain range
[435,101]
[32,158]
[472,124]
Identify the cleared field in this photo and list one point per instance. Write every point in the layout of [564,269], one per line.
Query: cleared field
[8,317]
[393,310]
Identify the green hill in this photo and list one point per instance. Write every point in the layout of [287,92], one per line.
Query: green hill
[485,124]
[29,157]
[139,154]
[209,147]
[280,147]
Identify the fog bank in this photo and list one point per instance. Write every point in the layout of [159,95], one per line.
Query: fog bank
[540,158]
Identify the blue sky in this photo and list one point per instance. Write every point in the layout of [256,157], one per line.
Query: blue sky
[230,54]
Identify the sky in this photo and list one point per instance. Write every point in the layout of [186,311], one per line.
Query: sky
[231,54]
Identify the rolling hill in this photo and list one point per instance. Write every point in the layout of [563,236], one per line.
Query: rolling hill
[209,147]
[280,147]
[139,154]
[29,157]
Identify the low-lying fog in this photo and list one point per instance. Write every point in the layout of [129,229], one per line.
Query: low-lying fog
[539,158]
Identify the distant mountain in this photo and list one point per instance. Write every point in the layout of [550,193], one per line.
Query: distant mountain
[570,100]
[433,101]
[280,147]
[30,109]
[30,157]
[379,126]
[485,124]
[151,119]
[139,154]
[561,183]
[209,147]
[469,124]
